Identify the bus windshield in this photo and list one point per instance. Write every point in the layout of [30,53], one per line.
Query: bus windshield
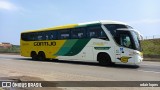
[125,38]
[136,40]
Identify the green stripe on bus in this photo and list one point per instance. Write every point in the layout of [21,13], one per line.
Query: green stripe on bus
[66,47]
[78,46]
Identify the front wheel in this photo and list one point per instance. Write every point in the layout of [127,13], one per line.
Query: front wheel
[104,59]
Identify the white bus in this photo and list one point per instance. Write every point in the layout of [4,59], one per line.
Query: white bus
[106,42]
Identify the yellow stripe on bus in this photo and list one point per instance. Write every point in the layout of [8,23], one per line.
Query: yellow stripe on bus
[53,28]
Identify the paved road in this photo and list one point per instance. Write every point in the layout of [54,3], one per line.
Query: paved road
[15,65]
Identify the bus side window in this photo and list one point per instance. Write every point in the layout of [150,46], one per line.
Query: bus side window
[43,35]
[96,32]
[24,36]
[78,33]
[74,33]
[39,36]
[35,36]
[32,36]
[64,34]
[46,35]
[52,35]
[92,32]
[102,35]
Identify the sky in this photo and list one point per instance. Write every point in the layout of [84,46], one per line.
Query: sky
[17,16]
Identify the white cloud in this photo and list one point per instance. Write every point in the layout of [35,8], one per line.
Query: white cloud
[6,5]
[146,21]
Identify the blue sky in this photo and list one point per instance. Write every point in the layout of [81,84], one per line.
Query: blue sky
[20,15]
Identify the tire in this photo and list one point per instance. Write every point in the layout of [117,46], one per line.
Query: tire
[104,59]
[41,56]
[34,55]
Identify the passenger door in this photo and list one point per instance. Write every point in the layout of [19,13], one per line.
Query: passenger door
[124,51]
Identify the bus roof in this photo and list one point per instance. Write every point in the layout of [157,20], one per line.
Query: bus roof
[112,22]
[77,25]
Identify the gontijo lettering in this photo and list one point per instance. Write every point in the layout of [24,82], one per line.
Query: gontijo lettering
[44,43]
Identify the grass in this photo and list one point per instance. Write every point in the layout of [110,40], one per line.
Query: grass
[151,47]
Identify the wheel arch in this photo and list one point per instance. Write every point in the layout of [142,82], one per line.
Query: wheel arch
[32,53]
[104,58]
[41,55]
[103,53]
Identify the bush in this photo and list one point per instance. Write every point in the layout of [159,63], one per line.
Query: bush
[151,47]
[13,49]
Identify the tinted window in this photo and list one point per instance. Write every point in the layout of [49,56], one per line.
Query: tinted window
[37,36]
[63,34]
[113,27]
[125,40]
[24,36]
[52,35]
[78,33]
[136,40]
[40,36]
[96,32]
[31,36]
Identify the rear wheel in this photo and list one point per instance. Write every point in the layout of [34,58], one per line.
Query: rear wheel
[33,55]
[41,56]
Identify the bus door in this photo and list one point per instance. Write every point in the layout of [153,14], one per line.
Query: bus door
[123,53]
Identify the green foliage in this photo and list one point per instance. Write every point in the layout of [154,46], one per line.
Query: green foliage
[13,49]
[151,47]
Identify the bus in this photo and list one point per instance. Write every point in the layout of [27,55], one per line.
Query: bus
[106,42]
